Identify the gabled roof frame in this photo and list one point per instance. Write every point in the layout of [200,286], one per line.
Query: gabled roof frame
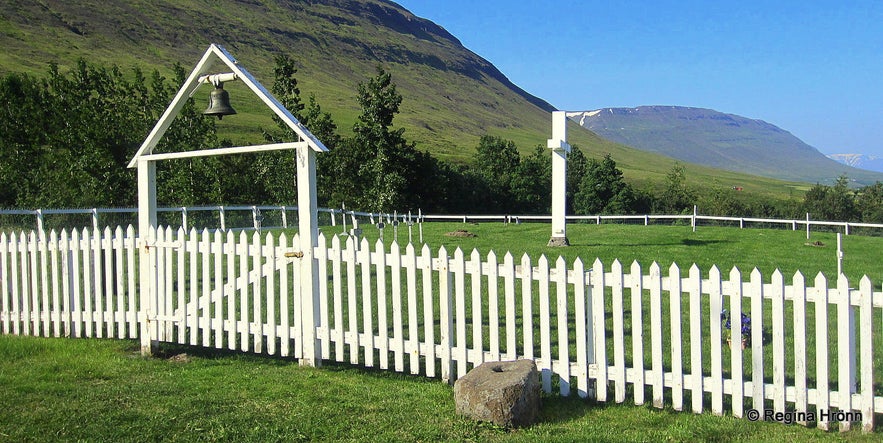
[200,75]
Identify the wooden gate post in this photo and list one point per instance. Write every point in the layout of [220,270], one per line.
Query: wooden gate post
[308,230]
[147,255]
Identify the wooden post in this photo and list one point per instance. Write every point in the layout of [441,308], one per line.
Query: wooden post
[147,255]
[309,239]
[560,148]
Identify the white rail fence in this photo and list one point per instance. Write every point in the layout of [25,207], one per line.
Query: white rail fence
[608,333]
[273,216]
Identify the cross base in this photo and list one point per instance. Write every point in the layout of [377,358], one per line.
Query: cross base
[558,241]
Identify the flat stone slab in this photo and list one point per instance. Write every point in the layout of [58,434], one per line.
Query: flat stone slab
[505,393]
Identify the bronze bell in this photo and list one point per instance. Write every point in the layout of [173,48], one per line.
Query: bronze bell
[219,103]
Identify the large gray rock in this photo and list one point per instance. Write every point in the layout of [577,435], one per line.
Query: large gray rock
[505,393]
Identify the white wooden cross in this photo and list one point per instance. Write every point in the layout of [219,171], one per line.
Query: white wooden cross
[560,149]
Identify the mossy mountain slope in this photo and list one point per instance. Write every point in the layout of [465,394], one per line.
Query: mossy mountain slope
[452,96]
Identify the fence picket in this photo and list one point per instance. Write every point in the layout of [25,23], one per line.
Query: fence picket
[845,350]
[398,338]
[737,385]
[336,262]
[696,378]
[715,304]
[109,280]
[56,294]
[778,323]
[76,304]
[88,292]
[658,378]
[132,311]
[44,314]
[352,306]
[257,264]
[477,315]
[493,310]
[98,287]
[460,353]
[823,396]
[284,297]
[509,291]
[545,363]
[599,329]
[244,325]
[636,288]
[367,311]
[867,351]
[527,306]
[382,323]
[413,343]
[271,328]
[563,366]
[230,289]
[757,374]
[428,309]
[582,327]
[6,275]
[190,308]
[619,375]
[121,277]
[182,285]
[799,311]
[324,335]
[445,318]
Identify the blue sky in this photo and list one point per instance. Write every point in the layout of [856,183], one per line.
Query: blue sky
[814,68]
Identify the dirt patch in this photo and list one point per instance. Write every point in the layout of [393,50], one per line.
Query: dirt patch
[816,244]
[180,358]
[460,233]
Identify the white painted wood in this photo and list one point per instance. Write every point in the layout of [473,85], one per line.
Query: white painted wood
[619,376]
[778,323]
[866,314]
[181,295]
[146,232]
[560,148]
[16,274]
[367,310]
[224,151]
[133,308]
[56,289]
[563,368]
[493,311]
[308,234]
[799,311]
[821,326]
[166,296]
[636,289]
[352,306]
[337,283]
[98,286]
[243,325]
[446,307]
[757,369]
[5,285]
[121,278]
[109,287]
[270,329]
[296,302]
[545,363]
[284,297]
[477,308]
[509,291]
[257,264]
[44,313]
[205,322]
[88,294]
[656,352]
[398,337]
[413,343]
[715,303]
[696,333]
[324,332]
[599,329]
[190,319]
[582,327]
[428,348]
[382,321]
[76,304]
[527,306]
[737,389]
[845,344]
[67,277]
[460,351]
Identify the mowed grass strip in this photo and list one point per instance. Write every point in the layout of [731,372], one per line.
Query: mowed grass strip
[103,390]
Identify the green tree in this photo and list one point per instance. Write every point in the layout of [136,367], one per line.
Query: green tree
[676,196]
[497,163]
[869,203]
[603,190]
[834,203]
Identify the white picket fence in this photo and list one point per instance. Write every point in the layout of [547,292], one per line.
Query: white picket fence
[607,334]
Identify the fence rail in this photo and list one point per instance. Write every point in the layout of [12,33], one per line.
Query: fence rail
[605,332]
[256,217]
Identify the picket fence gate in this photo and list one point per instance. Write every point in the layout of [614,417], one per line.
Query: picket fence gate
[439,315]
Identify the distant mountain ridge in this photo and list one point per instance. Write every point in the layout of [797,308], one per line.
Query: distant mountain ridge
[716,139]
[861,161]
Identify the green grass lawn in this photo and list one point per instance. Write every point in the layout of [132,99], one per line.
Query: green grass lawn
[102,390]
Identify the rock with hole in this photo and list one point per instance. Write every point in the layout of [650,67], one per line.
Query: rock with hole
[505,393]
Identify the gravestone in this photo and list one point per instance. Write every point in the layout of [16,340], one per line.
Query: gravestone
[505,393]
